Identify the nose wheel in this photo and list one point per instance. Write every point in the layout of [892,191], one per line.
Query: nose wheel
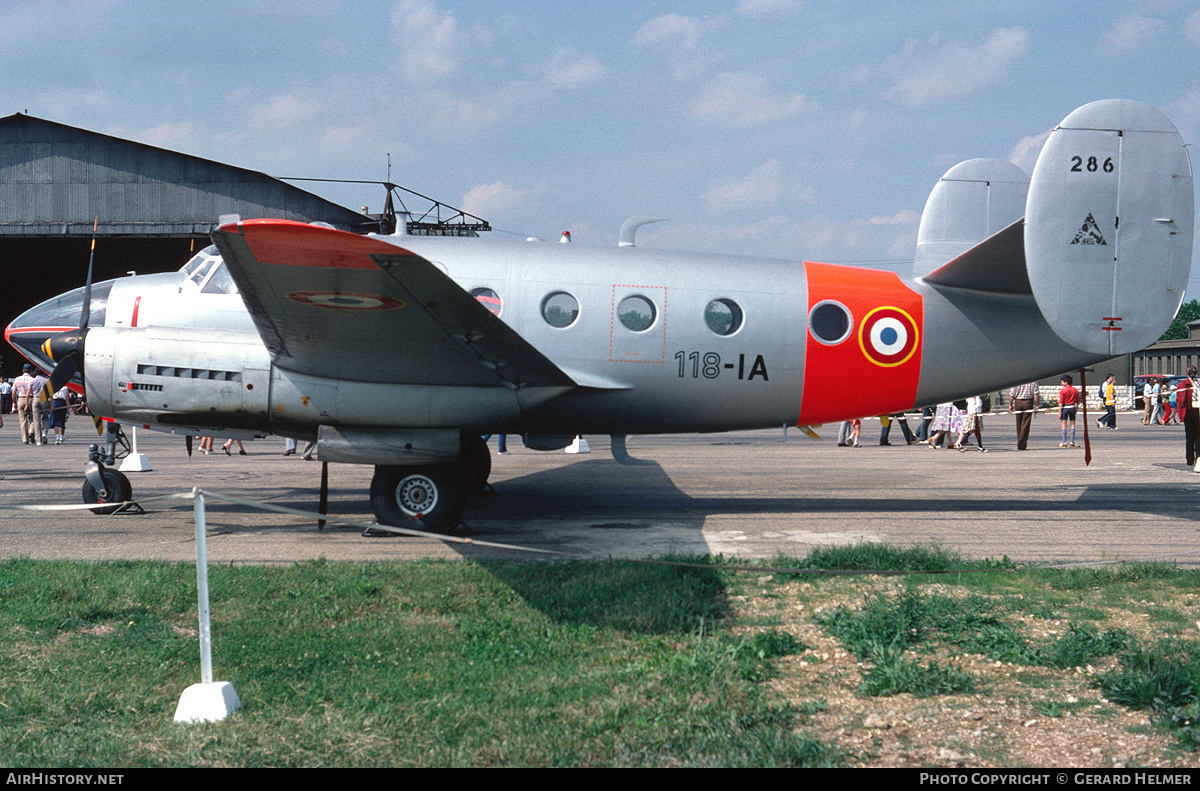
[106,485]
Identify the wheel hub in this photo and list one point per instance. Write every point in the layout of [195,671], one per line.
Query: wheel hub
[416,495]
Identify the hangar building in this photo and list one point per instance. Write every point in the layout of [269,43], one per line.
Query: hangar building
[152,208]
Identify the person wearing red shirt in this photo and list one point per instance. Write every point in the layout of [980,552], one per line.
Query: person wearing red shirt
[1186,402]
[1068,402]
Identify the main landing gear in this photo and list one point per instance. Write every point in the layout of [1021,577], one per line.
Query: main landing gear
[430,497]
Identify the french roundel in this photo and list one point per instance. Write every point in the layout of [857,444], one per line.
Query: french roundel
[340,300]
[888,336]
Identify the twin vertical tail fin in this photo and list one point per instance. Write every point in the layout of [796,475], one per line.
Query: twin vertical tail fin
[1108,226]
[1105,241]
[973,201]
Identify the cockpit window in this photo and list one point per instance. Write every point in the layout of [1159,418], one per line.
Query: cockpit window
[199,273]
[65,309]
[207,272]
[199,258]
[220,281]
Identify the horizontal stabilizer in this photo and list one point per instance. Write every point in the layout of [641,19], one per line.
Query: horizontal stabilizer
[996,265]
[1108,226]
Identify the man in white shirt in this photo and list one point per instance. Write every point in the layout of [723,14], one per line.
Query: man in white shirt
[41,409]
[22,389]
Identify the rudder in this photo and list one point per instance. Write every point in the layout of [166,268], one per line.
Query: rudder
[1108,226]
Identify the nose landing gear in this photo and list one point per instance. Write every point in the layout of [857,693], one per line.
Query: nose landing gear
[105,486]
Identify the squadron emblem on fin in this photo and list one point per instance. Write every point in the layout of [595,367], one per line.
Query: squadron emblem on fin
[1089,233]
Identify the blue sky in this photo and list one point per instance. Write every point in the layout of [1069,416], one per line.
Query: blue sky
[790,128]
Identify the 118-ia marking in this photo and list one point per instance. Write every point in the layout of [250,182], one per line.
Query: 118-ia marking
[708,365]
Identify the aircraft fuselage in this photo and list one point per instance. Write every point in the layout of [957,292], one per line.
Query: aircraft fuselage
[182,359]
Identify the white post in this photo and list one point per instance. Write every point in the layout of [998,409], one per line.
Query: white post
[206,701]
[202,590]
[135,461]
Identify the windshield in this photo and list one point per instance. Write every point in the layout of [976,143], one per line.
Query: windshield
[207,272]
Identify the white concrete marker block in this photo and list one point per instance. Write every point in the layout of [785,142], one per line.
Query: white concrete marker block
[578,446]
[207,702]
[135,461]
[139,462]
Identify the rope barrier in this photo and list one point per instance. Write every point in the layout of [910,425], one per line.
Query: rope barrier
[920,416]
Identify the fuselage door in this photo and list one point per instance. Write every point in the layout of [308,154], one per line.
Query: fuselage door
[638,327]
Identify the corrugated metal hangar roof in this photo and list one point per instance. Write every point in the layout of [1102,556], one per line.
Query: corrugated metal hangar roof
[154,208]
[57,180]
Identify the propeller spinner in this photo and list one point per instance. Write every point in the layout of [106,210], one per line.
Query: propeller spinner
[65,350]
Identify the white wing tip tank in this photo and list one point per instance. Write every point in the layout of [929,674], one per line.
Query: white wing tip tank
[1108,226]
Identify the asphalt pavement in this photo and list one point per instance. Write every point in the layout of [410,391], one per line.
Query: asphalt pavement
[744,494]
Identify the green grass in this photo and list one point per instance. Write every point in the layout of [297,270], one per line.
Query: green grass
[883,557]
[1163,679]
[415,664]
[458,663]
[892,674]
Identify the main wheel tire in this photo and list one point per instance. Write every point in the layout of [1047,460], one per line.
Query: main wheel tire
[427,498]
[117,489]
[476,463]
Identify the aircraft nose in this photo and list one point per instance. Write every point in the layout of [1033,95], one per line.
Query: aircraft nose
[30,330]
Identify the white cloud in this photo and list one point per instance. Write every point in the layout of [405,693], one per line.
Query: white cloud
[496,199]
[904,217]
[1185,112]
[1132,32]
[175,136]
[288,109]
[431,42]
[746,100]
[568,69]
[1191,28]
[672,31]
[1027,150]
[883,242]
[679,37]
[66,102]
[759,188]
[956,68]
[768,7]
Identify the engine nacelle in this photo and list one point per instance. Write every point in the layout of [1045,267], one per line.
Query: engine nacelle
[180,378]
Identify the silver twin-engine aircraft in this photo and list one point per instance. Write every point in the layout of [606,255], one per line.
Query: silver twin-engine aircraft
[403,351]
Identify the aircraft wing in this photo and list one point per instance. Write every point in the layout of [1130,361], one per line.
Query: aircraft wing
[335,304]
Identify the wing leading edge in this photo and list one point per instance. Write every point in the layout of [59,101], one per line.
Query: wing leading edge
[338,305]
